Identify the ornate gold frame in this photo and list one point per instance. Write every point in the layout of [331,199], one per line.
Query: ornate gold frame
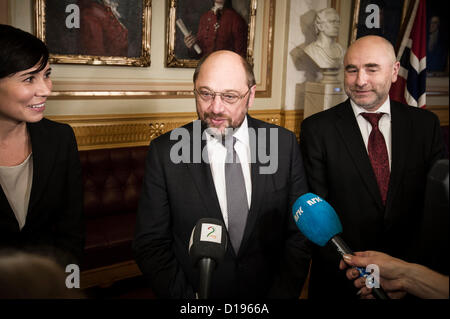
[92,89]
[143,60]
[172,60]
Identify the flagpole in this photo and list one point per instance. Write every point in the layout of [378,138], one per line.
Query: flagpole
[406,19]
[407,33]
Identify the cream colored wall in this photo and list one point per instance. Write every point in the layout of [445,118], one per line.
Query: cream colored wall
[284,76]
[300,14]
[22,17]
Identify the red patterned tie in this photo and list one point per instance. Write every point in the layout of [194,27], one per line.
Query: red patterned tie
[378,154]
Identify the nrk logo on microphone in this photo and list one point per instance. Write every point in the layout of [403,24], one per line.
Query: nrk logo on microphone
[310,202]
[211,233]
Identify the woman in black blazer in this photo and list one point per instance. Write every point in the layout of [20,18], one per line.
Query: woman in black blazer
[41,203]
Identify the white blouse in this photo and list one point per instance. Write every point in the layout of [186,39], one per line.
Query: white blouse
[16,183]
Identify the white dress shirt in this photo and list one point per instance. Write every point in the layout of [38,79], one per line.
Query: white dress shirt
[217,154]
[384,124]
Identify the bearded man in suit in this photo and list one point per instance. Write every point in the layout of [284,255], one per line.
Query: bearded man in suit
[267,255]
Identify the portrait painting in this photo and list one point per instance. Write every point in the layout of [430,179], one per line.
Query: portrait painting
[437,38]
[199,27]
[114,32]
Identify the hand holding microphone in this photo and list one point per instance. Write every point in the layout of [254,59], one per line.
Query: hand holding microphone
[318,221]
[390,271]
[207,248]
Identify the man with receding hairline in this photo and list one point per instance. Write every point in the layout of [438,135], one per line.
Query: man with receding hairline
[266,255]
[369,158]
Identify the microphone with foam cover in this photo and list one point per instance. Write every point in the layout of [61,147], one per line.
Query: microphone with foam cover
[207,248]
[318,221]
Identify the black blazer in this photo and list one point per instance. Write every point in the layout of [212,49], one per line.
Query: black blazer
[54,223]
[273,260]
[339,170]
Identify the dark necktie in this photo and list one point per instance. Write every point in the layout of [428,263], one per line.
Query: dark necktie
[378,154]
[237,204]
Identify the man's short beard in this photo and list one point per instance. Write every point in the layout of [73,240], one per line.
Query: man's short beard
[370,106]
[366,106]
[229,129]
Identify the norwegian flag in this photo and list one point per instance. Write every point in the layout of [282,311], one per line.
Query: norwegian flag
[411,81]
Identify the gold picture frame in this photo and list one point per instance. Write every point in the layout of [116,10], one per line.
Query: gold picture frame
[92,88]
[70,47]
[177,53]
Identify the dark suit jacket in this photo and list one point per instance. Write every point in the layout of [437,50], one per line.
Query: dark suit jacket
[54,223]
[339,170]
[273,259]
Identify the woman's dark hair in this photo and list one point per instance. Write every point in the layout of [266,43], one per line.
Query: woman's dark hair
[20,50]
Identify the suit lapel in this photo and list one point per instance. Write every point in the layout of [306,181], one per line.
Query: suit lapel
[6,212]
[202,177]
[44,148]
[348,128]
[400,126]
[258,181]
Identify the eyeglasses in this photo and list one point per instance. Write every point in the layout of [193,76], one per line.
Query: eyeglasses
[226,97]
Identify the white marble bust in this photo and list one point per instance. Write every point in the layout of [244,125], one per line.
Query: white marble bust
[325,51]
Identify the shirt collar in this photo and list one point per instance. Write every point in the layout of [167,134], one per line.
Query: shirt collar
[241,133]
[384,108]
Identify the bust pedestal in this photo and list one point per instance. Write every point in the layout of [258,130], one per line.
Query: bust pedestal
[322,96]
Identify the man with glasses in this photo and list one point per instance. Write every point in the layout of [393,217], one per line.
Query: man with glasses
[267,256]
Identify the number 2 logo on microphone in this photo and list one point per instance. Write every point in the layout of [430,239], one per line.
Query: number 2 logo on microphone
[211,233]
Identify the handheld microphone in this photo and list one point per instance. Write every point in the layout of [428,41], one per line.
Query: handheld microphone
[207,248]
[318,221]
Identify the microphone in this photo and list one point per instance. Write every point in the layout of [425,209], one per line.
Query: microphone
[207,248]
[318,221]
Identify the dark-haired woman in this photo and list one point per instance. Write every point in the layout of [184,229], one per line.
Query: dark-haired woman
[41,200]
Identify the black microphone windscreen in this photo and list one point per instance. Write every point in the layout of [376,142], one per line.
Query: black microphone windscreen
[208,240]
